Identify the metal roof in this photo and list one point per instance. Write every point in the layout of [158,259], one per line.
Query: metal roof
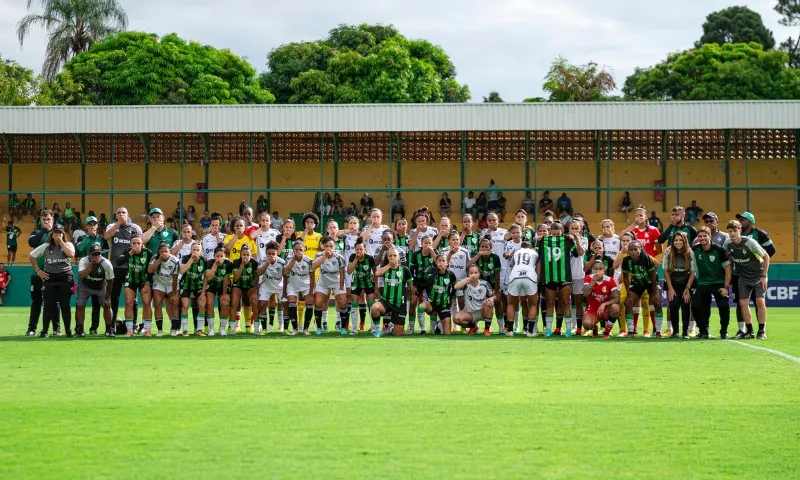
[402,117]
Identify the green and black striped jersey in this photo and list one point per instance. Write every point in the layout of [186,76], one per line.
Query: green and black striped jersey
[192,280]
[223,271]
[288,247]
[440,286]
[395,282]
[248,278]
[471,242]
[401,243]
[137,265]
[489,266]
[363,274]
[554,254]
[420,264]
[639,270]
[528,235]
[338,246]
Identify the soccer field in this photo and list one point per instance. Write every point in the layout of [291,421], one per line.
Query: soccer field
[411,407]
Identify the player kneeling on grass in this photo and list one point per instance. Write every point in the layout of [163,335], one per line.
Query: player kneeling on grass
[361,269]
[394,291]
[441,285]
[137,259]
[478,301]
[244,281]
[96,279]
[330,281]
[271,273]
[164,270]
[193,273]
[602,295]
[522,286]
[217,286]
[299,286]
[639,276]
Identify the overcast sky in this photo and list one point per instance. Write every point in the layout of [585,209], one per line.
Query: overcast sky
[502,45]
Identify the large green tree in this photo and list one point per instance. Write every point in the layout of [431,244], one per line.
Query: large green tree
[137,68]
[739,71]
[493,97]
[736,25]
[789,10]
[72,27]
[17,84]
[362,64]
[578,83]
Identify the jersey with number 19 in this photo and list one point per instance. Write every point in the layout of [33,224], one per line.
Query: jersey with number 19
[521,279]
[553,253]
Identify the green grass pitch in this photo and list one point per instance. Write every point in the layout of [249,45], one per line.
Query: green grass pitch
[412,407]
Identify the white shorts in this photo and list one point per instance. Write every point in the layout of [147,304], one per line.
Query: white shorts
[163,288]
[577,286]
[521,287]
[327,291]
[300,294]
[348,280]
[476,316]
[265,294]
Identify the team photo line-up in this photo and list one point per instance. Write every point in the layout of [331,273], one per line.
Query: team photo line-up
[402,275]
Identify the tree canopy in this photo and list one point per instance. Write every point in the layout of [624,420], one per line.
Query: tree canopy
[362,64]
[493,97]
[789,10]
[577,83]
[736,25]
[72,27]
[739,71]
[137,68]
[17,84]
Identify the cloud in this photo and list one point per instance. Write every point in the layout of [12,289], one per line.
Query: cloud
[503,45]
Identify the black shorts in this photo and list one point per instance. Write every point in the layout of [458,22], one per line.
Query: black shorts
[421,288]
[442,311]
[556,286]
[639,290]
[735,290]
[245,296]
[12,248]
[190,294]
[136,287]
[363,290]
[214,290]
[398,313]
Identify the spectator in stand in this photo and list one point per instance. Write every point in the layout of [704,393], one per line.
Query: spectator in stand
[501,207]
[564,205]
[626,206]
[469,203]
[75,222]
[262,205]
[191,213]
[529,204]
[102,225]
[277,221]
[12,235]
[205,222]
[656,222]
[351,210]
[493,195]
[398,206]
[15,207]
[29,205]
[445,205]
[367,204]
[325,206]
[78,232]
[5,280]
[227,222]
[179,213]
[242,206]
[546,203]
[338,204]
[69,212]
[57,213]
[481,206]
[693,213]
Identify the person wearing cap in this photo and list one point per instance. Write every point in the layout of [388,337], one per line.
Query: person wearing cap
[119,234]
[56,278]
[39,237]
[96,281]
[712,222]
[82,248]
[748,222]
[751,266]
[158,232]
[677,224]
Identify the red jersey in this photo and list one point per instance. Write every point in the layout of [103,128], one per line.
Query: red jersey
[253,227]
[4,278]
[601,292]
[648,238]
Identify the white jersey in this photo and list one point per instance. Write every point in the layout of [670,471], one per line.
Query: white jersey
[510,246]
[185,250]
[523,265]
[298,277]
[262,239]
[349,244]
[209,243]
[458,262]
[373,243]
[329,271]
[498,241]
[163,274]
[576,263]
[475,296]
[612,245]
[272,278]
[429,232]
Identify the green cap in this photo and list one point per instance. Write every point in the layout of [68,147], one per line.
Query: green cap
[90,219]
[747,216]
[153,211]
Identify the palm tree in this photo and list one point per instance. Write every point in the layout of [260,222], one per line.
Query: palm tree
[72,27]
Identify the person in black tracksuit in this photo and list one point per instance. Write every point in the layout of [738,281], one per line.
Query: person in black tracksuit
[37,238]
[119,235]
[56,276]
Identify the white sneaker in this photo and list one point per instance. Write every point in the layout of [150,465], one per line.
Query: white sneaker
[222,332]
[269,328]
[280,329]
[292,333]
[160,333]
[210,333]
[173,333]
[306,332]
